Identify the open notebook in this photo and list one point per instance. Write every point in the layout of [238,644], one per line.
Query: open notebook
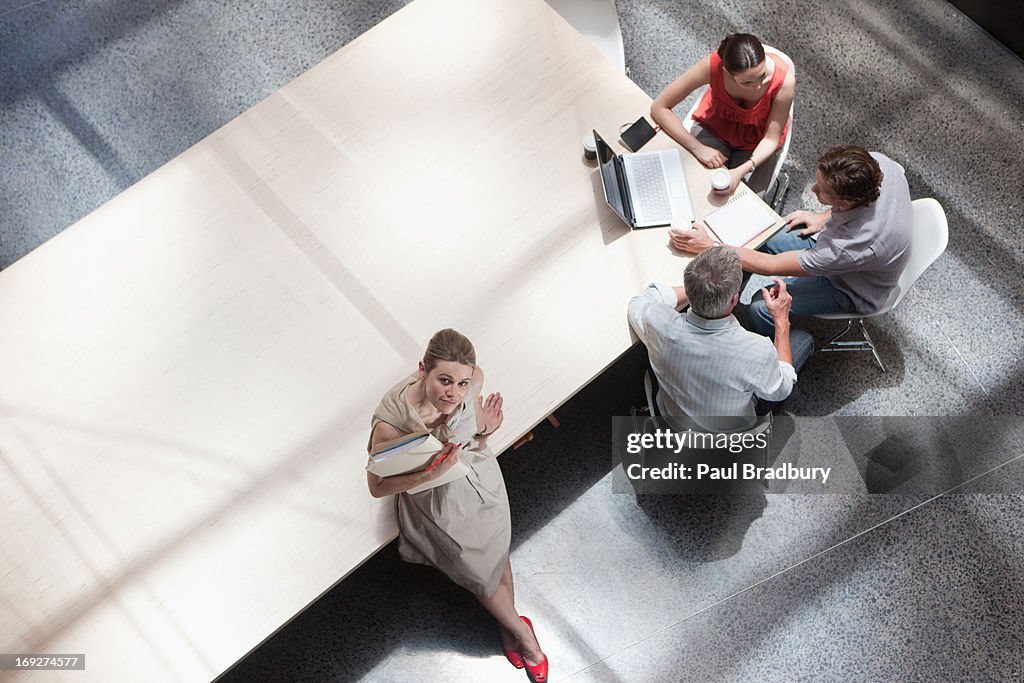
[740,219]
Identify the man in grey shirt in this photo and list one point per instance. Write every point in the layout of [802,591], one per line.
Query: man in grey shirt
[862,245]
[710,368]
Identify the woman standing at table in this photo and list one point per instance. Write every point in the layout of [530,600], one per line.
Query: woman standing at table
[462,528]
[741,120]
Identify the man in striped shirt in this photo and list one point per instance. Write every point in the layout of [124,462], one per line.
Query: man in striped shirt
[709,368]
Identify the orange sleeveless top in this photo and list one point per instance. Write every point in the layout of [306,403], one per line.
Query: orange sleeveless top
[736,126]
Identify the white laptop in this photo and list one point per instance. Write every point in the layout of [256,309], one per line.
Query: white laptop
[646,189]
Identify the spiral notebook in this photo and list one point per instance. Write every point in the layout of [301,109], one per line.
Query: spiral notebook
[740,219]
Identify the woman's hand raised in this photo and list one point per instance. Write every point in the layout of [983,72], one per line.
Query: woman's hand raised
[489,413]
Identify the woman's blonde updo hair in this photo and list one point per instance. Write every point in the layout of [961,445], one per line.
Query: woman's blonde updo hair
[449,345]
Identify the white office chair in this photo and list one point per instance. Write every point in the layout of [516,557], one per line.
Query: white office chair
[598,22]
[779,183]
[929,236]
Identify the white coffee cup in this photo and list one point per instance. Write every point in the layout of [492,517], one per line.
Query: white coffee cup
[589,146]
[721,179]
[681,225]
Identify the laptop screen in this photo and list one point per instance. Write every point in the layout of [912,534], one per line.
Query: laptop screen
[609,177]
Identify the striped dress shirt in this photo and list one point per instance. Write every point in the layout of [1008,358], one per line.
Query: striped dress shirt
[709,370]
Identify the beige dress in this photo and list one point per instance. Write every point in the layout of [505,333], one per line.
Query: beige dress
[463,527]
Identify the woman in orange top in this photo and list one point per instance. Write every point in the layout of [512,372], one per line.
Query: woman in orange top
[741,121]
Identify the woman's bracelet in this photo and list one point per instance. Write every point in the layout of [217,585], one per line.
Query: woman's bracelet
[753,166]
[484,432]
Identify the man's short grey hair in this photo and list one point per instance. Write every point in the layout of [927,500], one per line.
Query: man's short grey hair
[711,280]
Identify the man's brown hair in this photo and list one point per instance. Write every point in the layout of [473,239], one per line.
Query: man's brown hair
[852,173]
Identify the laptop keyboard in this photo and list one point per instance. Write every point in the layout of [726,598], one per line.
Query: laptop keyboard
[649,179]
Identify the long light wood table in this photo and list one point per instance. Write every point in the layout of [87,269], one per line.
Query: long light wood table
[188,372]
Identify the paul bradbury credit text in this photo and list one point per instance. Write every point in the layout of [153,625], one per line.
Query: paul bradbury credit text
[732,472]
[920,456]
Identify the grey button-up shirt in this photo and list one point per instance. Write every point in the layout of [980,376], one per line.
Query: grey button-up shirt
[863,251]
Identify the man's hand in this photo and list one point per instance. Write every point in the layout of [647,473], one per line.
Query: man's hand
[691,241]
[813,222]
[709,156]
[779,301]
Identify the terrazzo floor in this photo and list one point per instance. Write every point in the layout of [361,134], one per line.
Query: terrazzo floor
[96,94]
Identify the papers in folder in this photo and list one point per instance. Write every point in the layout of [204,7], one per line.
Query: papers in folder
[740,219]
[410,454]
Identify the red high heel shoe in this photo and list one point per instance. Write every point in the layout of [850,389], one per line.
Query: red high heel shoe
[538,673]
[515,658]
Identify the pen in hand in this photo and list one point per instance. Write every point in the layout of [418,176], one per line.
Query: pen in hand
[443,457]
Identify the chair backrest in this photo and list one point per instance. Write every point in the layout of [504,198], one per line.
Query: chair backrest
[598,22]
[929,237]
[651,392]
[789,124]
[651,389]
